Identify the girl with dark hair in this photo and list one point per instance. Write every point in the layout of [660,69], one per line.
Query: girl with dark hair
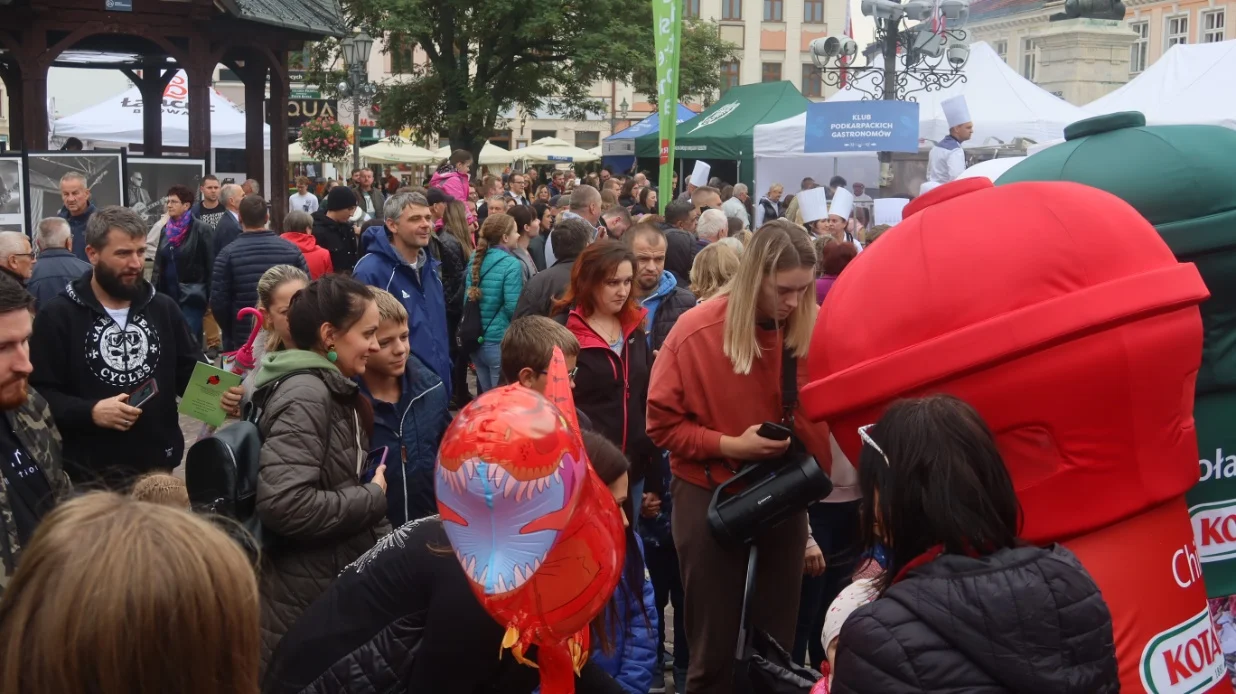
[626,197]
[432,635]
[495,279]
[647,202]
[833,258]
[316,429]
[611,384]
[529,225]
[182,262]
[977,609]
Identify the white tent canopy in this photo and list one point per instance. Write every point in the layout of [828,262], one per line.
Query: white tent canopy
[119,119]
[1190,84]
[992,169]
[1003,104]
[551,150]
[491,155]
[398,151]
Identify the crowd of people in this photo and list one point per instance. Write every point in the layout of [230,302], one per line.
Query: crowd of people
[680,330]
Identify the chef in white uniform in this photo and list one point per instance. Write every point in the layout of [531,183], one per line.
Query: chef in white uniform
[946,160]
[699,179]
[839,211]
[813,205]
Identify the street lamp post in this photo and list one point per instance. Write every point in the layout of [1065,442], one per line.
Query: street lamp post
[923,57]
[358,88]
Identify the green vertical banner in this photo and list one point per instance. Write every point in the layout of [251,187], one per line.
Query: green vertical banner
[667,26]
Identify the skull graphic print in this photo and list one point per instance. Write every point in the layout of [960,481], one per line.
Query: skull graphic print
[122,357]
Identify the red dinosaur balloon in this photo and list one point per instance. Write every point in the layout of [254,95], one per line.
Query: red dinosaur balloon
[537,532]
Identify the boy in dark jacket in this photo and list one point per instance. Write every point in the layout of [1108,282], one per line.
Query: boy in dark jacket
[410,414]
[241,264]
[334,231]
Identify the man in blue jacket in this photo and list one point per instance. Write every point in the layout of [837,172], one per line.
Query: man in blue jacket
[397,259]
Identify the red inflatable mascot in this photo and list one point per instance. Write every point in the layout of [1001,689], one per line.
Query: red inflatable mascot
[537,532]
[1057,311]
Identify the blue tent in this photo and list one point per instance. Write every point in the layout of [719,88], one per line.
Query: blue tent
[618,150]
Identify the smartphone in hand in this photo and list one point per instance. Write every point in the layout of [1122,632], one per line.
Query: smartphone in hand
[143,394]
[774,432]
[375,460]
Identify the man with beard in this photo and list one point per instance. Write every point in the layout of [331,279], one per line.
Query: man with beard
[107,338]
[32,480]
[209,210]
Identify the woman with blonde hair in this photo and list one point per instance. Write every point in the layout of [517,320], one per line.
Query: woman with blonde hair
[455,221]
[770,205]
[760,323]
[712,268]
[119,595]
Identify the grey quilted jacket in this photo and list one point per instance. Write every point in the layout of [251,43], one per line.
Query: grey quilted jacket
[1026,619]
[315,437]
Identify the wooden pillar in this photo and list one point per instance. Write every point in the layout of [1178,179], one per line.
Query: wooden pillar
[10,73]
[254,77]
[279,136]
[199,71]
[34,90]
[151,83]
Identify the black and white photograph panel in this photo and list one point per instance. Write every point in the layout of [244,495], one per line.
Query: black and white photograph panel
[99,171]
[12,194]
[147,180]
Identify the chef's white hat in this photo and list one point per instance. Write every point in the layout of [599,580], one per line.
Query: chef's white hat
[956,112]
[843,203]
[699,175]
[813,204]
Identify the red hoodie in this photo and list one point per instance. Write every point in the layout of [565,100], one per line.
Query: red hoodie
[318,258]
[695,397]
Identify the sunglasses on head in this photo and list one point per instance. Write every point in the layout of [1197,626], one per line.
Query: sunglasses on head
[862,434]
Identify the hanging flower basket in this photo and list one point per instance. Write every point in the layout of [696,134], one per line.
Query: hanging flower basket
[324,139]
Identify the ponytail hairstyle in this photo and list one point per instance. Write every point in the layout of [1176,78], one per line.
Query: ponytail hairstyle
[495,228]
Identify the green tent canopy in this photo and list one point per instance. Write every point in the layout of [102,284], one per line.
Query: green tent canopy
[723,132]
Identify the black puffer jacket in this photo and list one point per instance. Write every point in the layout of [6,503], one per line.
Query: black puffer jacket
[403,618]
[447,250]
[340,239]
[1020,620]
[233,283]
[545,287]
[672,307]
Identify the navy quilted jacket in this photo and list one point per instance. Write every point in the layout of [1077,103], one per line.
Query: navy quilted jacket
[1027,619]
[633,662]
[233,285]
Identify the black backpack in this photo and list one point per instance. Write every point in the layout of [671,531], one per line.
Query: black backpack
[221,470]
[470,335]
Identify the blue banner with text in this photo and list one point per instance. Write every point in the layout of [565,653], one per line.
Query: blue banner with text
[862,126]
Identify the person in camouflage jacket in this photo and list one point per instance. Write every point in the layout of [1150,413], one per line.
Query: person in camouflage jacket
[34,427]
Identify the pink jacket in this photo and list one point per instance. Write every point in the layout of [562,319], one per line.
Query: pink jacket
[454,184]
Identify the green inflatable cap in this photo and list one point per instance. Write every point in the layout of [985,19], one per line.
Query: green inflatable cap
[1182,178]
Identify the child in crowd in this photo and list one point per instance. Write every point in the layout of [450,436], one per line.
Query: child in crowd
[528,347]
[410,414]
[275,290]
[162,488]
[861,591]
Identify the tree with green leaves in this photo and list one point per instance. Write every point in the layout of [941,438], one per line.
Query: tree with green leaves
[485,58]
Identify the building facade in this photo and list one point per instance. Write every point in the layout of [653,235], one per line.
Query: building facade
[1080,60]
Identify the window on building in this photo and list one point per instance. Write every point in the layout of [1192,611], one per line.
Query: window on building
[1002,49]
[400,51]
[1029,58]
[813,11]
[1177,31]
[772,10]
[1140,49]
[1214,25]
[770,72]
[812,86]
[729,74]
[731,9]
[541,134]
[587,139]
[691,9]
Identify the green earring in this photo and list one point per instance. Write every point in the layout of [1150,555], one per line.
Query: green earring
[331,355]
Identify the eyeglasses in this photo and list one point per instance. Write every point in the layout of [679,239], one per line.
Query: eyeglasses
[862,434]
[570,374]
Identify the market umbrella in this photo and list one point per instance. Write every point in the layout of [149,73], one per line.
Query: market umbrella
[551,150]
[296,154]
[491,155]
[397,151]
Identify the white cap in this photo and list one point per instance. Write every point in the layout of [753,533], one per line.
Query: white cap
[813,204]
[843,203]
[956,112]
[699,175]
